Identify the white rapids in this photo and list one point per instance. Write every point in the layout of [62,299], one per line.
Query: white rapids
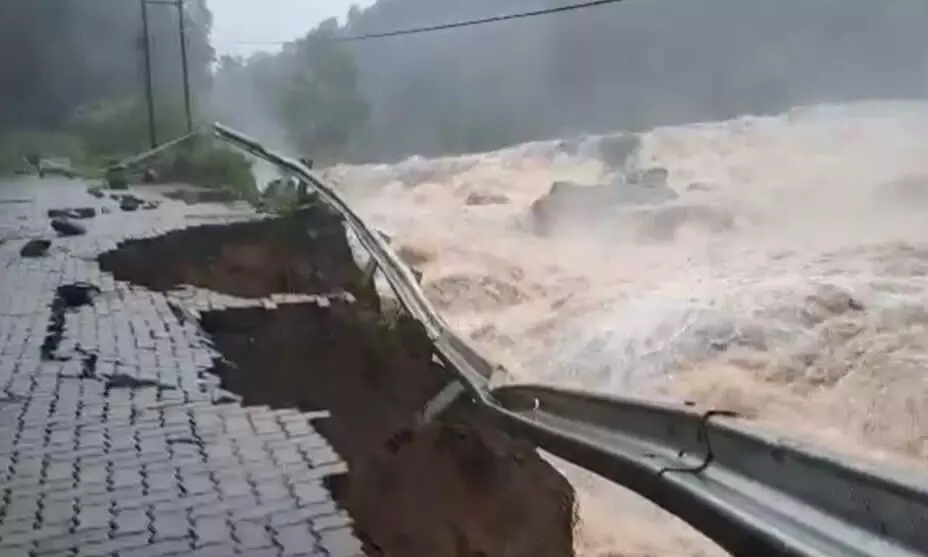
[808,315]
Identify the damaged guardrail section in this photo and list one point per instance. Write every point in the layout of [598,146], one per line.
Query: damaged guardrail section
[754,494]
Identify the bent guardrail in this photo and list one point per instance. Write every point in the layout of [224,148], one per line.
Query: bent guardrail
[753,493]
[756,495]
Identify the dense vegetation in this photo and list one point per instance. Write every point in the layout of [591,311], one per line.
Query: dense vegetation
[74,85]
[74,53]
[628,65]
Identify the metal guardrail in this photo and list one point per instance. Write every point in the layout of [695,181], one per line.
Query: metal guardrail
[132,161]
[754,494]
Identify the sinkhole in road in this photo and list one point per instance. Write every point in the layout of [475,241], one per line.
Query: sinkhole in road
[455,487]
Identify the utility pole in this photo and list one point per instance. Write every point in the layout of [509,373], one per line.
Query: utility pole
[182,29]
[149,94]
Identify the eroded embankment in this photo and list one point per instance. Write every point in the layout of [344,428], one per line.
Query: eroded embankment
[457,487]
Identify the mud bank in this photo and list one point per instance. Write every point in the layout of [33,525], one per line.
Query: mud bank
[248,259]
[457,487]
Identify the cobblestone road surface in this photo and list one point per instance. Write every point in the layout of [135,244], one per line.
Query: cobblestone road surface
[114,438]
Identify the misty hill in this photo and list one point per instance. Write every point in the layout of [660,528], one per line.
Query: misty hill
[635,64]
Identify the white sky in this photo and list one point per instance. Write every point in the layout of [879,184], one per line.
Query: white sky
[238,21]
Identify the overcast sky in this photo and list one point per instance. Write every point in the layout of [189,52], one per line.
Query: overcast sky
[238,21]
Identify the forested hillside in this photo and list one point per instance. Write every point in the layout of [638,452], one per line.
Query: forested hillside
[74,68]
[634,64]
[629,65]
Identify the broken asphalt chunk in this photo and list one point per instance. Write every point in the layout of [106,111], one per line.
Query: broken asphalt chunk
[65,227]
[35,248]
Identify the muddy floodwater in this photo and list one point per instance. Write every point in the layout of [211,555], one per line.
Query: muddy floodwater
[805,311]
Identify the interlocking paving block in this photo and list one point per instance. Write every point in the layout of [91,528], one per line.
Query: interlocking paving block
[295,539]
[341,542]
[114,437]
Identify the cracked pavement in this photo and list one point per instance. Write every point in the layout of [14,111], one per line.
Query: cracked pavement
[115,438]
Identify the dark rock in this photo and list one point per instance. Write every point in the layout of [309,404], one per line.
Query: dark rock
[699,187]
[78,213]
[130,203]
[652,178]
[105,210]
[35,248]
[486,198]
[663,222]
[65,227]
[96,192]
[149,205]
[571,202]
[85,212]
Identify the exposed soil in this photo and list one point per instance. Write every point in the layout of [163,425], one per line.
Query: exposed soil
[457,487]
[249,259]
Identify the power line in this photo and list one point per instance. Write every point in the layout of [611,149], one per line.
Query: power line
[454,25]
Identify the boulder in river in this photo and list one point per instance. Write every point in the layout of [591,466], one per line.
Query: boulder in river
[567,201]
[486,198]
[664,222]
[644,187]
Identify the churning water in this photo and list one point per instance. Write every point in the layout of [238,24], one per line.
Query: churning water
[804,310]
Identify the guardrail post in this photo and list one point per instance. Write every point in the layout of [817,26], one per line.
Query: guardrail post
[441,402]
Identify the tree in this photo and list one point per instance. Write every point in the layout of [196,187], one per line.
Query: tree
[320,102]
[58,55]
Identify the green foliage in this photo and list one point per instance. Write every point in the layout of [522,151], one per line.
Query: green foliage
[311,91]
[280,196]
[119,128]
[320,100]
[117,178]
[15,147]
[206,164]
[60,55]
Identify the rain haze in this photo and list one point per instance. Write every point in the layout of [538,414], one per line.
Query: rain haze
[244,27]
[717,201]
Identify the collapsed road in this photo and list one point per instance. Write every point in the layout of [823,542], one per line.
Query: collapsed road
[167,376]
[457,486]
